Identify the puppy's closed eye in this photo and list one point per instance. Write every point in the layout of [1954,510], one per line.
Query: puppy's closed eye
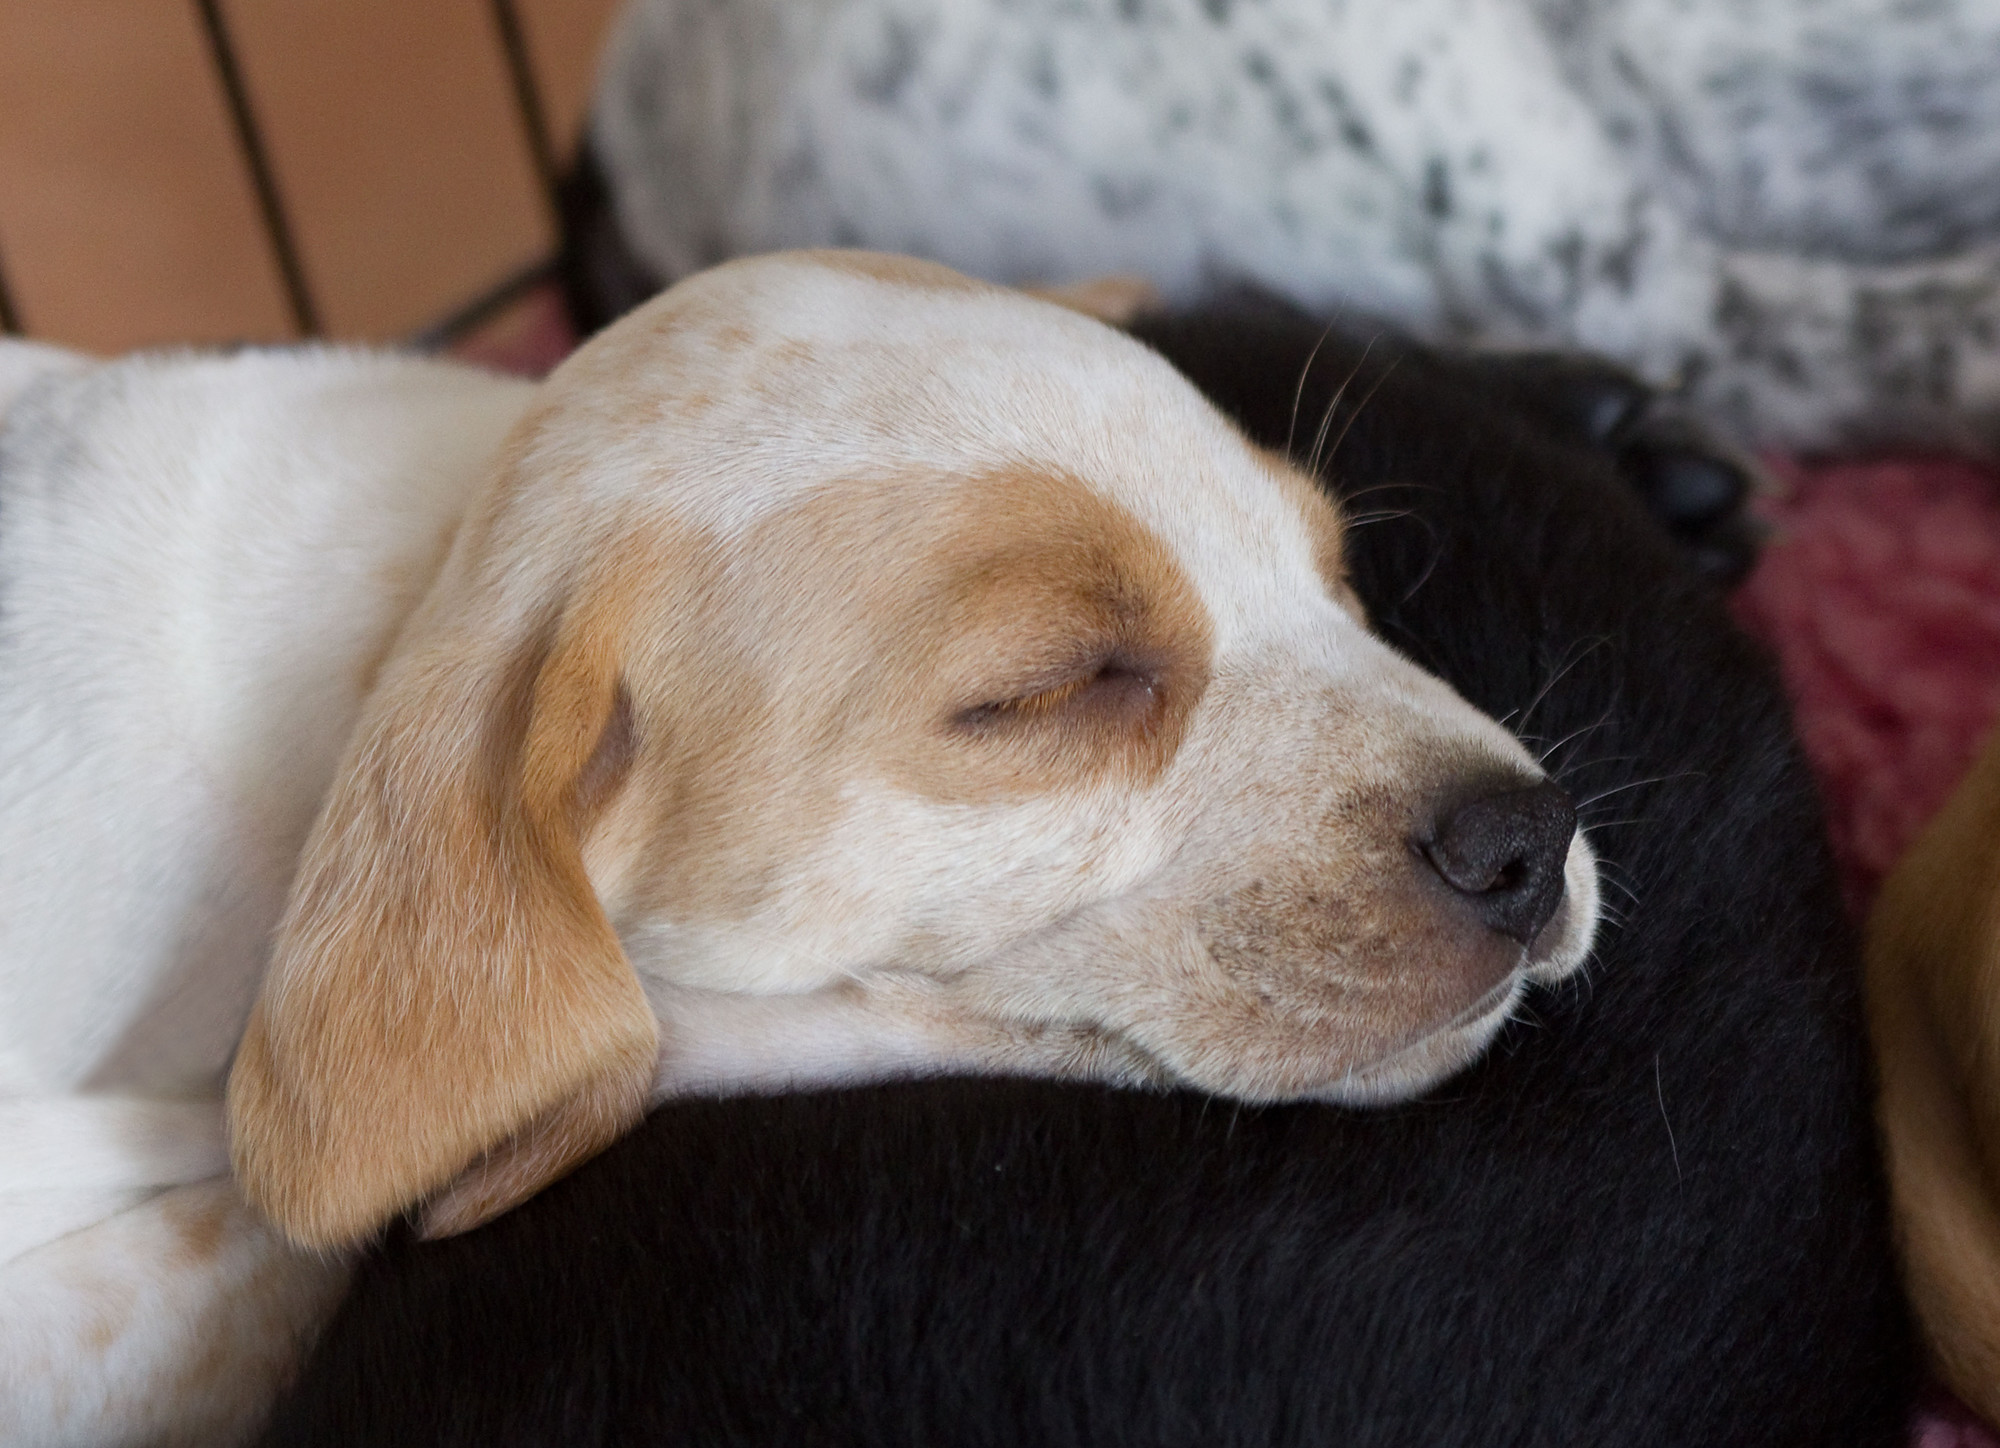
[1117,687]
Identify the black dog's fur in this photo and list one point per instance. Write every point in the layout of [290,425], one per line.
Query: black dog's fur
[1652,1215]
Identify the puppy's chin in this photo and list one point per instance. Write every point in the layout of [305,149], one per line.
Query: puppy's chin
[1424,1063]
[1405,1072]
[1558,952]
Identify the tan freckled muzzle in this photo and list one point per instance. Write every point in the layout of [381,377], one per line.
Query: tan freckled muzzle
[1385,958]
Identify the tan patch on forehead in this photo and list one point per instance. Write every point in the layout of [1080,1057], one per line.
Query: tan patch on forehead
[1035,634]
[1325,525]
[1118,300]
[907,271]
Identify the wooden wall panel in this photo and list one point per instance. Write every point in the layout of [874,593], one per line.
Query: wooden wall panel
[564,37]
[127,215]
[399,152]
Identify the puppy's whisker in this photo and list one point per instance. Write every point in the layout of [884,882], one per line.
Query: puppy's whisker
[1395,487]
[1348,500]
[1602,761]
[1333,405]
[1560,674]
[1610,713]
[1359,520]
[1610,881]
[1299,391]
[1572,774]
[1359,408]
[1437,556]
[1604,794]
[1569,767]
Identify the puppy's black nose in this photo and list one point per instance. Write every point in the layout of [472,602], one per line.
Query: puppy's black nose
[1504,855]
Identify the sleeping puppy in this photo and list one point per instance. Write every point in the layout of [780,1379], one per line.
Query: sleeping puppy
[838,669]
[1651,1215]
[1933,982]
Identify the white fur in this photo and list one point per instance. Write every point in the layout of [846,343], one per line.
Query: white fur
[197,556]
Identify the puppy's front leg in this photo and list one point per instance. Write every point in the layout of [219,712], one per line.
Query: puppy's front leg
[174,1322]
[724,1044]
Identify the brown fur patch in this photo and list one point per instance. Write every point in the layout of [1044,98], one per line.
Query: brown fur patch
[1063,640]
[1933,988]
[549,1148]
[198,1224]
[970,639]
[881,266]
[111,1315]
[1325,524]
[1116,300]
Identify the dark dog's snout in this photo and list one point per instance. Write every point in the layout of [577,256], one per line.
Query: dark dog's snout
[1504,856]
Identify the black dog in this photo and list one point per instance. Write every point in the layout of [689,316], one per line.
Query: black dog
[1652,1215]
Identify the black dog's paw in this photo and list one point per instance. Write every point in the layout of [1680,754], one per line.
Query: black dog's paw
[1696,488]
[1245,345]
[1693,483]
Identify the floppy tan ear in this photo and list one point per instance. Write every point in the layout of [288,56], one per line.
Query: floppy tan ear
[444,978]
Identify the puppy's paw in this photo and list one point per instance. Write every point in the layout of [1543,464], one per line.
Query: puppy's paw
[1695,484]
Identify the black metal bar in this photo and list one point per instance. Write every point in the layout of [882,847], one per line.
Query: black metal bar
[528,98]
[481,309]
[10,315]
[305,316]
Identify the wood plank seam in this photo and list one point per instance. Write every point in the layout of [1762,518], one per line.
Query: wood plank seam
[483,308]
[270,204]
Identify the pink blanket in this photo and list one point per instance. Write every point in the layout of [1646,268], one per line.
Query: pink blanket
[1880,594]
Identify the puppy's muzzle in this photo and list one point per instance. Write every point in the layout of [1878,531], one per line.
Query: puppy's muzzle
[1503,857]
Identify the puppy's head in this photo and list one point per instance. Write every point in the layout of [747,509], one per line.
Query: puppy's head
[832,621]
